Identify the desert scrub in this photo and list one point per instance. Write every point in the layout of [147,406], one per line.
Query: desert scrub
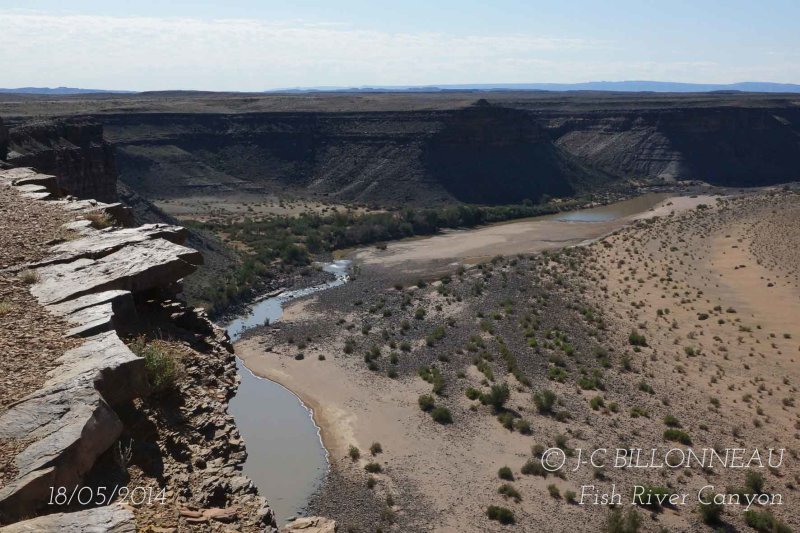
[710,513]
[375,448]
[500,514]
[497,397]
[442,415]
[765,522]
[5,308]
[554,492]
[508,491]
[677,435]
[637,339]
[619,522]
[354,453]
[545,401]
[373,468]
[472,393]
[533,467]
[161,361]
[426,402]
[505,473]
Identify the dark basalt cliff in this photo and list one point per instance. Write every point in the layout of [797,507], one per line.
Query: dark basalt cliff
[481,153]
[72,150]
[725,146]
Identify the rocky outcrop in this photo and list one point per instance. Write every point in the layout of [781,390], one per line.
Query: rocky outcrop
[98,280]
[72,150]
[109,519]
[311,524]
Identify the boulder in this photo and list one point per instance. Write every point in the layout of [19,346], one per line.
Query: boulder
[114,518]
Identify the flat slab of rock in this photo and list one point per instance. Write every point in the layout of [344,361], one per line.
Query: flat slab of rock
[106,363]
[71,426]
[311,524]
[109,519]
[100,243]
[138,267]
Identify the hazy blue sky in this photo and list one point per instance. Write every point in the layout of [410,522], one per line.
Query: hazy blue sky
[256,45]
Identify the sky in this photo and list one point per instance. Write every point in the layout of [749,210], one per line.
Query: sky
[250,45]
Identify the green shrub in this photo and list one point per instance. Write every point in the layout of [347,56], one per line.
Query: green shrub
[426,402]
[671,421]
[497,396]
[545,400]
[375,448]
[354,453]
[505,473]
[507,420]
[570,496]
[554,492]
[678,435]
[710,513]
[472,393]
[597,402]
[500,514]
[442,415]
[754,482]
[523,426]
[637,339]
[533,467]
[373,468]
[765,522]
[508,491]
[619,522]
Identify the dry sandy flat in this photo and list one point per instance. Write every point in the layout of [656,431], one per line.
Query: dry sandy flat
[526,236]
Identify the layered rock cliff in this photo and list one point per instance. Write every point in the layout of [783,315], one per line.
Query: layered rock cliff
[139,403]
[72,150]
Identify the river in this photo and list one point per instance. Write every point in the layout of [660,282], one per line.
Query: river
[286,458]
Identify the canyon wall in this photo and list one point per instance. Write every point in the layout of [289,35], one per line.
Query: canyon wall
[73,150]
[481,153]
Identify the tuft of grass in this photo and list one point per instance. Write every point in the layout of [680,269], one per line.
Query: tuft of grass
[100,220]
[29,277]
[161,361]
[5,308]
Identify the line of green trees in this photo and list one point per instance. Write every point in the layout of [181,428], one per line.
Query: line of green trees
[292,242]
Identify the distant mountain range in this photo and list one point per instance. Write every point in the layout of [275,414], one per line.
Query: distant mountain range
[607,86]
[58,90]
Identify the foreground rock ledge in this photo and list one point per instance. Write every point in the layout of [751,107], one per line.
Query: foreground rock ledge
[91,281]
